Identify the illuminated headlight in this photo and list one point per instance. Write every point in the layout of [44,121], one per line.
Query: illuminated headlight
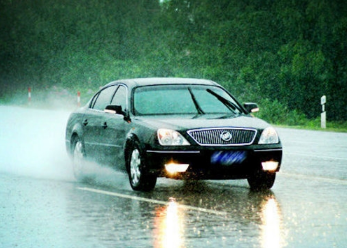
[169,137]
[269,136]
[269,165]
[174,168]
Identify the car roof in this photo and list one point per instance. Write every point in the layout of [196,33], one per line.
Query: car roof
[162,81]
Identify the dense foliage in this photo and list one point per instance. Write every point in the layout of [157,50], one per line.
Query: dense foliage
[284,54]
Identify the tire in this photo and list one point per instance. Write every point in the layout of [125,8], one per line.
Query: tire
[261,180]
[78,160]
[139,178]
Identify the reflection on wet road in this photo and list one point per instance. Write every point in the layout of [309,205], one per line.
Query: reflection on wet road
[271,224]
[168,226]
[42,206]
[97,214]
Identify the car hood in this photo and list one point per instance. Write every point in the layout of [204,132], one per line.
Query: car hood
[204,121]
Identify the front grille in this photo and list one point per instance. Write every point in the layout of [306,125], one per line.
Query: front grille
[213,136]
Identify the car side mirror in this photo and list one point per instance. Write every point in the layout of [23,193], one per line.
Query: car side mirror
[251,107]
[117,109]
[114,109]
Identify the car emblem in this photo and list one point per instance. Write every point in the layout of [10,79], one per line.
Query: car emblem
[226,136]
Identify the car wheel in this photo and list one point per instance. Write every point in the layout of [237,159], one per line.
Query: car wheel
[139,178]
[78,159]
[261,180]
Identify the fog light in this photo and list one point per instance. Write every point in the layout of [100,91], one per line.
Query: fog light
[173,168]
[269,165]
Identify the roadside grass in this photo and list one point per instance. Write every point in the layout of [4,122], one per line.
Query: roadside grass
[316,125]
[279,115]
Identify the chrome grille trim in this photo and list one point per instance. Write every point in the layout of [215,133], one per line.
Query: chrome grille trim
[211,136]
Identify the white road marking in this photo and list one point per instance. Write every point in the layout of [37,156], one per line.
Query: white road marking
[313,155]
[137,198]
[308,177]
[311,143]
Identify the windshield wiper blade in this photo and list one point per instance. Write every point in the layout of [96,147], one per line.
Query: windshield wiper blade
[226,102]
[197,106]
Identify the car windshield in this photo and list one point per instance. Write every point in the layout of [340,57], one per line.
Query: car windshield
[183,99]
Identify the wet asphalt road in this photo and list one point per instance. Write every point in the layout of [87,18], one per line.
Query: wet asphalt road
[43,206]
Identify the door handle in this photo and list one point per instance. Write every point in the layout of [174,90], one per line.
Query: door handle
[85,122]
[105,125]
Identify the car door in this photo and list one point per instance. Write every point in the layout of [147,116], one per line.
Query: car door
[114,130]
[93,122]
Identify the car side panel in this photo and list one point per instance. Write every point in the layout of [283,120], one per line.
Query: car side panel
[91,123]
[112,138]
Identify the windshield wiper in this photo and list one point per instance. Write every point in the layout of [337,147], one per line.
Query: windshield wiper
[227,103]
[197,106]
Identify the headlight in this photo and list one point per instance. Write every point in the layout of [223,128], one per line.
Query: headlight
[269,136]
[169,137]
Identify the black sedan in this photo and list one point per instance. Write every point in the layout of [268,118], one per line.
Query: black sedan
[176,128]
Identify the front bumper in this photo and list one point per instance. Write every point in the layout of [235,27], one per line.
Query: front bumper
[214,163]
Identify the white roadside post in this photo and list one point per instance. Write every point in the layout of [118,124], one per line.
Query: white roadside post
[29,95]
[323,101]
[79,99]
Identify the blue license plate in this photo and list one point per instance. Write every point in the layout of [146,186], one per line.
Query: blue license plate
[228,157]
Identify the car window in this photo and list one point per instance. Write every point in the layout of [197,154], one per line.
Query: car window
[159,100]
[189,99]
[103,98]
[120,98]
